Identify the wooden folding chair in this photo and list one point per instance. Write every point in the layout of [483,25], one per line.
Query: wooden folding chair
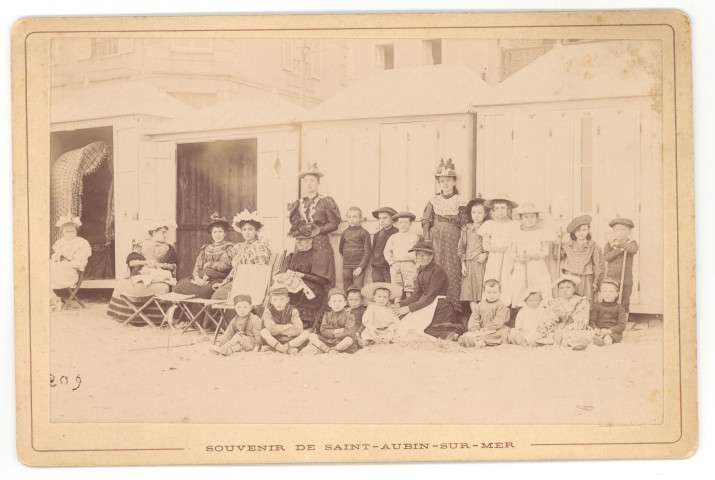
[139,312]
[73,293]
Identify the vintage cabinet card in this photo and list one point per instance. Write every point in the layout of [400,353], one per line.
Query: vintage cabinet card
[194,196]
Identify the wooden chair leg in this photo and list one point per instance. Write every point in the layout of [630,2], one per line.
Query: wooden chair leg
[138,312]
[221,319]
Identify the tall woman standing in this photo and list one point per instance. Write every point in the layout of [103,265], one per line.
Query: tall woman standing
[320,210]
[442,221]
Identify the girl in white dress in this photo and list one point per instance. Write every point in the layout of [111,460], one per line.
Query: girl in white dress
[69,257]
[497,237]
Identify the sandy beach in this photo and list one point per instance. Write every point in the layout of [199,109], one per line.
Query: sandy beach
[124,378]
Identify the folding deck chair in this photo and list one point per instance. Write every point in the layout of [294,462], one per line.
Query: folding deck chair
[73,293]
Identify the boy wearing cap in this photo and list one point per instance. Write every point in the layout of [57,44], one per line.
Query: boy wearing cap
[613,253]
[608,318]
[380,267]
[403,269]
[356,307]
[380,322]
[337,328]
[243,334]
[355,249]
[282,326]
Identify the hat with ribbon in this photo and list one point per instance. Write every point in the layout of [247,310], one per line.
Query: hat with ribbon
[423,246]
[567,278]
[216,221]
[68,220]
[501,198]
[409,215]
[368,291]
[390,211]
[240,219]
[304,231]
[311,169]
[527,208]
[445,169]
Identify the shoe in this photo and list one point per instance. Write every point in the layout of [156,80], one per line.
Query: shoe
[579,347]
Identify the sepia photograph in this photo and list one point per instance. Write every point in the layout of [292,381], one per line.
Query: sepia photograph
[357,229]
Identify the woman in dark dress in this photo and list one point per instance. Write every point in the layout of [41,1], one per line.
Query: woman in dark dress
[306,274]
[209,268]
[319,210]
[428,310]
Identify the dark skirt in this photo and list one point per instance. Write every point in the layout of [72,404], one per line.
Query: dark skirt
[321,244]
[138,295]
[444,321]
[187,287]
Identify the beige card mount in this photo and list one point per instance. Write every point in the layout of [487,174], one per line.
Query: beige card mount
[140,129]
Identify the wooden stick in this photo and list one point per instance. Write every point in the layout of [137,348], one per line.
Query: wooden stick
[623,276]
[161,346]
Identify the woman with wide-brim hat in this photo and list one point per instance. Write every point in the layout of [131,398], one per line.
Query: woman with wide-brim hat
[69,256]
[428,310]
[497,235]
[529,249]
[319,210]
[253,250]
[442,221]
[307,274]
[209,268]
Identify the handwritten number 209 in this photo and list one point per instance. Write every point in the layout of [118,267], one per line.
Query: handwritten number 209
[64,380]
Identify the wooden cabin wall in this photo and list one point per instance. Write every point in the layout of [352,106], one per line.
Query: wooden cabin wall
[601,158]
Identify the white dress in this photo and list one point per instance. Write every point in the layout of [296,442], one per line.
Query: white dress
[534,274]
[69,257]
[499,265]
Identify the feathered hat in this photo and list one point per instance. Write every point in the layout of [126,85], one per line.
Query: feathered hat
[247,217]
[311,169]
[216,221]
[445,169]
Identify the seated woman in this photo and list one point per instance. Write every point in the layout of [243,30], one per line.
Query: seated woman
[567,315]
[427,310]
[252,251]
[152,266]
[209,269]
[307,276]
[69,257]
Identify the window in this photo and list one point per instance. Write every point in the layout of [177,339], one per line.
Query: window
[385,56]
[586,164]
[287,54]
[192,45]
[432,52]
[102,47]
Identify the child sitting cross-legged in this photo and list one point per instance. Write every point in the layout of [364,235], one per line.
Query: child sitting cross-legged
[487,324]
[282,326]
[379,320]
[243,334]
[527,330]
[608,318]
[337,328]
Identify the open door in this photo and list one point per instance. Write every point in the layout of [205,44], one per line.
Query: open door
[211,177]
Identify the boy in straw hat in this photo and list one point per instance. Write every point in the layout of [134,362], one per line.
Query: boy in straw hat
[379,320]
[69,257]
[615,250]
[337,329]
[282,327]
[243,334]
[403,269]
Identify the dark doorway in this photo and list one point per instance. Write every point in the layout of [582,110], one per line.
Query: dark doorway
[97,202]
[211,177]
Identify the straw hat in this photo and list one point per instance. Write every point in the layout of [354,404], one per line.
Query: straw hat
[154,225]
[528,291]
[390,211]
[68,220]
[311,169]
[567,278]
[246,217]
[368,291]
[621,221]
[445,169]
[216,221]
[527,208]
[409,215]
[501,198]
[577,222]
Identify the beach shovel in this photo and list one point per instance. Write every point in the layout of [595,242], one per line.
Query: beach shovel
[623,276]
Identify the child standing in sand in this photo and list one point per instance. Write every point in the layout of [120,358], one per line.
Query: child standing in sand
[282,326]
[243,334]
[337,328]
[355,248]
[472,254]
[487,324]
[497,235]
[614,252]
[403,269]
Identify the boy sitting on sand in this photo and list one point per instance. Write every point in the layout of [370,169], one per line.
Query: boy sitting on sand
[282,326]
[243,334]
[379,320]
[487,324]
[337,328]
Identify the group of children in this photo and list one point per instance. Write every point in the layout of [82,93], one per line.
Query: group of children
[504,271]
